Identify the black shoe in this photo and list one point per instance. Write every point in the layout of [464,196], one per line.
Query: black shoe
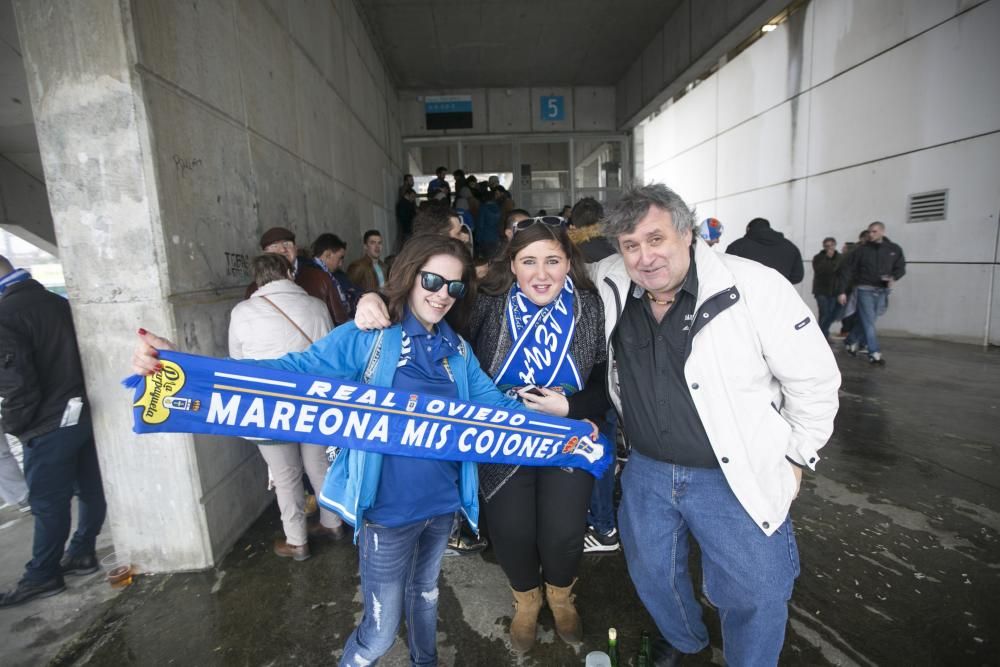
[595,541]
[78,565]
[664,654]
[460,544]
[26,591]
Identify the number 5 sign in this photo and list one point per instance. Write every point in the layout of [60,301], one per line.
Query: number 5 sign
[552,107]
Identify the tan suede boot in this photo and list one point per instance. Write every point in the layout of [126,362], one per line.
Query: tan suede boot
[522,626]
[568,624]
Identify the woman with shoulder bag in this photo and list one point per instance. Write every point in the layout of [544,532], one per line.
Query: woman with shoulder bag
[279,318]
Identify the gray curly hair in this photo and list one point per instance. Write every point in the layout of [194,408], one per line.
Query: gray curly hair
[635,204]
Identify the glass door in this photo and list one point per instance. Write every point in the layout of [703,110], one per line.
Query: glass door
[543,176]
[597,169]
[539,173]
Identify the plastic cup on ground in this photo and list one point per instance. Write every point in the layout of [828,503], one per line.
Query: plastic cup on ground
[598,659]
[118,567]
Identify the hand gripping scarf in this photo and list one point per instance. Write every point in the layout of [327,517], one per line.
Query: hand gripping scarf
[542,336]
[195,394]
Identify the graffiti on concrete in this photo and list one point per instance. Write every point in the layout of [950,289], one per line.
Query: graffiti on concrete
[237,264]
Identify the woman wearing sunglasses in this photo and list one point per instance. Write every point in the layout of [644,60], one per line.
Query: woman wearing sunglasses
[405,506]
[537,327]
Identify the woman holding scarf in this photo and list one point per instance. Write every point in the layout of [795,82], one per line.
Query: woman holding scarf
[403,507]
[537,327]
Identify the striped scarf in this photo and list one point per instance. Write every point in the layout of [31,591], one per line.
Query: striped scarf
[13,278]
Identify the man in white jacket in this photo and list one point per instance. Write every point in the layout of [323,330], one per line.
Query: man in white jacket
[727,390]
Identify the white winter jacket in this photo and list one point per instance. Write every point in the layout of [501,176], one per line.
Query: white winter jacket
[761,375]
[258,331]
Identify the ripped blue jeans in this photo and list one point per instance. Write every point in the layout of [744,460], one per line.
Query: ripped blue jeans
[399,574]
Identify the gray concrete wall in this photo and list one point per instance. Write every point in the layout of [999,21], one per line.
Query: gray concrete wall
[515,110]
[171,136]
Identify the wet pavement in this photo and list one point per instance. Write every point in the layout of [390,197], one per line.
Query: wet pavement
[899,535]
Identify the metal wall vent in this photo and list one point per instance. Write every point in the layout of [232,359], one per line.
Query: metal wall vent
[927,206]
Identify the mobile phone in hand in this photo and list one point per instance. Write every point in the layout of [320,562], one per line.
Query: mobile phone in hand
[532,389]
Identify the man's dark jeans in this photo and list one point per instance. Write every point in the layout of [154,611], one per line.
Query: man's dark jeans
[829,310]
[602,499]
[56,465]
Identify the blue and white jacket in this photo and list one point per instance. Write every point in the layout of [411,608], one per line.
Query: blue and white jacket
[371,357]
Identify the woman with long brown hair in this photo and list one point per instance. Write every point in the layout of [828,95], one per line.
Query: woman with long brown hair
[537,327]
[402,507]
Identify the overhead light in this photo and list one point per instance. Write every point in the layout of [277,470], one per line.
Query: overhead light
[768,28]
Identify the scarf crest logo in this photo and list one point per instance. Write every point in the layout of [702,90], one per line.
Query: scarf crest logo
[158,399]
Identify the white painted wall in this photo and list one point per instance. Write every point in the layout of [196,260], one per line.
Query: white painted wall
[832,120]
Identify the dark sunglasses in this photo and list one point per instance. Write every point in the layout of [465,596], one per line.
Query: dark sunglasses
[550,220]
[432,282]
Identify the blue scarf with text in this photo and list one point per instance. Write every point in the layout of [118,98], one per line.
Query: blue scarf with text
[542,336]
[196,394]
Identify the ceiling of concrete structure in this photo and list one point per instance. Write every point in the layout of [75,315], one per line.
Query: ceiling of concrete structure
[17,125]
[489,43]
[431,43]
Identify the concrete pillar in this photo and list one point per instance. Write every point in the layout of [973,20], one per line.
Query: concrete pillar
[172,135]
[132,258]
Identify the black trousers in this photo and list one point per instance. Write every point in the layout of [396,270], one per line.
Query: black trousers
[537,522]
[55,465]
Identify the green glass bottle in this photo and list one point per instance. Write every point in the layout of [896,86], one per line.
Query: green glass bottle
[613,646]
[645,652]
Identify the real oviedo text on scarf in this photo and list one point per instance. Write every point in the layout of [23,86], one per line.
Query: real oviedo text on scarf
[195,394]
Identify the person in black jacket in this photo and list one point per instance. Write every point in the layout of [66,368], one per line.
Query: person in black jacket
[406,210]
[826,268]
[45,406]
[873,269]
[770,248]
[585,230]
